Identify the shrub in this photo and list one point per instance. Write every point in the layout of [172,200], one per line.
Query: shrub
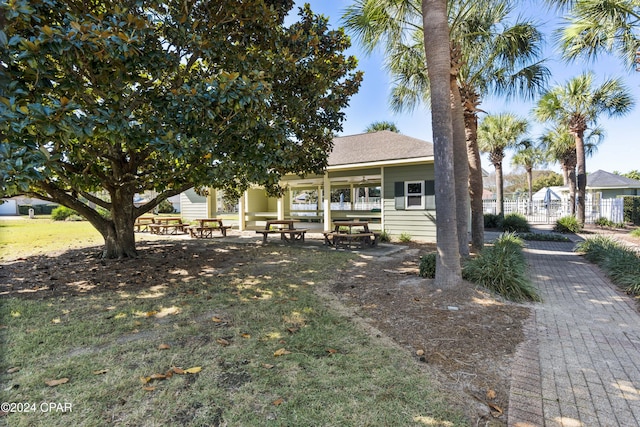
[492,221]
[567,224]
[61,213]
[547,237]
[619,262]
[405,237]
[516,223]
[165,206]
[603,222]
[502,268]
[635,233]
[384,237]
[428,265]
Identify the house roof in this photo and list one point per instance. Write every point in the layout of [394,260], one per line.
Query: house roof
[602,179]
[377,147]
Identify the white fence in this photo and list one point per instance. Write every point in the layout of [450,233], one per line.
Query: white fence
[541,212]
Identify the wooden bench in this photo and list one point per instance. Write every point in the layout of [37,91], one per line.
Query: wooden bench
[295,234]
[167,228]
[337,239]
[207,230]
[142,224]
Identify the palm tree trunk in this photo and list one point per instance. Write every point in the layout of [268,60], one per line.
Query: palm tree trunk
[499,189]
[581,176]
[475,180]
[437,53]
[530,188]
[461,168]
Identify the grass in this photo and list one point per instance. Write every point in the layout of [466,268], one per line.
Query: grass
[231,327]
[502,268]
[20,238]
[620,262]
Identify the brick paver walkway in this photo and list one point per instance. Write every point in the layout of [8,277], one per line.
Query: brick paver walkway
[580,364]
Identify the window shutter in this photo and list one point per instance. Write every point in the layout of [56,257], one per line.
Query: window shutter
[430,188]
[399,195]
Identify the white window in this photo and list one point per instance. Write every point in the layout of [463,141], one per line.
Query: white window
[414,194]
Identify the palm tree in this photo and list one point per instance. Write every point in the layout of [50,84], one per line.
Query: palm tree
[560,146]
[437,54]
[578,105]
[529,156]
[383,125]
[387,23]
[601,26]
[488,57]
[496,134]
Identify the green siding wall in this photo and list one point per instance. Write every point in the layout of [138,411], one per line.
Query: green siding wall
[419,224]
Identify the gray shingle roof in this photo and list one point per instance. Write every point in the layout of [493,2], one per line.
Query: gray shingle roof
[377,146]
[602,179]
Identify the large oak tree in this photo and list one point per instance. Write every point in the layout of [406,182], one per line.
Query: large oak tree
[117,97]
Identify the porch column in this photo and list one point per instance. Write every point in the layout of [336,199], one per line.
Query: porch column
[354,198]
[280,208]
[212,199]
[326,202]
[242,224]
[382,199]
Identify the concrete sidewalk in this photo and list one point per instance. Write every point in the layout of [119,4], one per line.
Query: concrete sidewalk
[580,362]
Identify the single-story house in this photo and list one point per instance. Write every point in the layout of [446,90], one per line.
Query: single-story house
[610,185]
[383,177]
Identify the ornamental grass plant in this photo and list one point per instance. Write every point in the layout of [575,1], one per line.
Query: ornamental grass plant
[620,262]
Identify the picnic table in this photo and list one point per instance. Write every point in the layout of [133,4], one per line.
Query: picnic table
[167,225]
[142,223]
[206,227]
[348,233]
[283,227]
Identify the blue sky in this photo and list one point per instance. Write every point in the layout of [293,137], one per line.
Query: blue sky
[618,152]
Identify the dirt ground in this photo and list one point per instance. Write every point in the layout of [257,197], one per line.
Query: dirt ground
[468,335]
[464,335]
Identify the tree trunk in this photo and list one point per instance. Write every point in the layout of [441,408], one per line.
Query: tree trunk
[461,169]
[118,232]
[475,181]
[437,53]
[581,177]
[529,170]
[499,189]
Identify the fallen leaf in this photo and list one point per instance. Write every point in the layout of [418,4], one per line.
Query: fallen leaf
[169,373]
[331,351]
[222,342]
[245,335]
[164,347]
[13,370]
[53,383]
[145,380]
[216,319]
[278,402]
[497,411]
[151,313]
[267,366]
[420,352]
[177,370]
[193,370]
[281,352]
[151,388]
[491,394]
[100,372]
[158,377]
[293,330]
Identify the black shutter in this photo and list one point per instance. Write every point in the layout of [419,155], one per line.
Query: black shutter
[399,195]
[429,188]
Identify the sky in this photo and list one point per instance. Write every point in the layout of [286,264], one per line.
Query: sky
[617,153]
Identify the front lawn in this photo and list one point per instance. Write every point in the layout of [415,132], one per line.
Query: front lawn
[235,335]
